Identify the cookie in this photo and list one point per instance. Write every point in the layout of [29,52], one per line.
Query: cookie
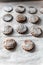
[35,31]
[41,10]
[7,30]
[32,10]
[33,19]
[21,29]
[7,17]
[9,44]
[28,45]
[8,8]
[20,9]
[21,18]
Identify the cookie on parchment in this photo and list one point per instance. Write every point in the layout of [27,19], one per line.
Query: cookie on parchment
[35,31]
[8,8]
[32,10]
[9,44]
[21,29]
[33,19]
[21,18]
[28,45]
[20,9]
[41,10]
[7,17]
[7,29]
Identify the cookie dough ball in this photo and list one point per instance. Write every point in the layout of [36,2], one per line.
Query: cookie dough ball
[33,19]
[20,9]
[21,29]
[9,44]
[41,10]
[8,8]
[35,31]
[32,10]
[7,30]
[7,17]
[21,18]
[28,45]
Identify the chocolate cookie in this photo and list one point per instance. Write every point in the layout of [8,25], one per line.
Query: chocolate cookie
[32,10]
[8,8]
[28,45]
[21,18]
[9,44]
[21,29]
[33,18]
[7,30]
[20,9]
[7,17]
[36,31]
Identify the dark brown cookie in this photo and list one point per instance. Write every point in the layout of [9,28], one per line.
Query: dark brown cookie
[21,18]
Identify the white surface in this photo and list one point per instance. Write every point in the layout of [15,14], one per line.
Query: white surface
[19,56]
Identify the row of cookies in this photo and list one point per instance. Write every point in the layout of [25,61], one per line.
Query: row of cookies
[31,9]
[10,44]
[21,18]
[22,29]
[22,9]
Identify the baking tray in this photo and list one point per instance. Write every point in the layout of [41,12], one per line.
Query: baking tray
[19,56]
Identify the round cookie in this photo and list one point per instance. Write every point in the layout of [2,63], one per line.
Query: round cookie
[8,8]
[7,30]
[36,31]
[33,19]
[21,18]
[41,10]
[7,17]
[32,10]
[28,45]
[21,29]
[20,9]
[9,44]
